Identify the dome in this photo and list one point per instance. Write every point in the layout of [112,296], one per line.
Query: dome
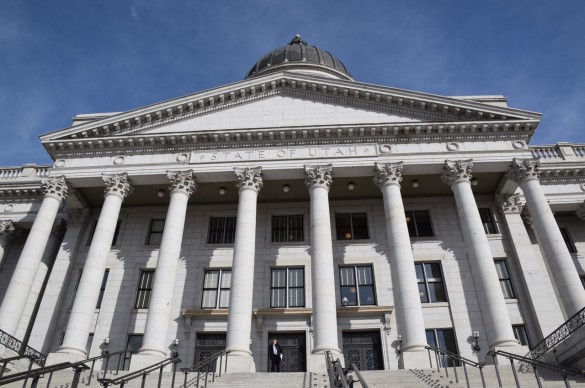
[297,55]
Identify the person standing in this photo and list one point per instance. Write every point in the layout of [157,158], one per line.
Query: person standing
[275,352]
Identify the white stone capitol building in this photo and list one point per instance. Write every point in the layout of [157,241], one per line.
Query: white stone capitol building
[297,204]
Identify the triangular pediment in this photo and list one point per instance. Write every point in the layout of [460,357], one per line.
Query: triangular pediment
[288,105]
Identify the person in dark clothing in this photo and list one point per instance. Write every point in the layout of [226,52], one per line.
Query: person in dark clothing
[275,354]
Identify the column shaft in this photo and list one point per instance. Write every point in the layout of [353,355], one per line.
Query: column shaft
[22,280]
[491,300]
[159,310]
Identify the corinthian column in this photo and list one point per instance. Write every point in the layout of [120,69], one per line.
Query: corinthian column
[318,180]
[55,191]
[249,183]
[556,254]
[457,175]
[409,313]
[155,344]
[535,278]
[118,187]
[6,232]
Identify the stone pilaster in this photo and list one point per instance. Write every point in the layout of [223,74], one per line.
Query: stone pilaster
[560,263]
[457,174]
[155,343]
[55,191]
[318,180]
[409,315]
[118,187]
[249,183]
[546,316]
[7,229]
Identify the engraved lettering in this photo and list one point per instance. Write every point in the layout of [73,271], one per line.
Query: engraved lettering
[352,150]
[281,153]
[261,155]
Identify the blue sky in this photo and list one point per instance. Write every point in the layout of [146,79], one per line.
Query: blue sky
[60,58]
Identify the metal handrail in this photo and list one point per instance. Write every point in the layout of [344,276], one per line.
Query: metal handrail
[535,365]
[122,380]
[204,366]
[559,335]
[16,345]
[338,375]
[464,362]
[78,366]
[358,374]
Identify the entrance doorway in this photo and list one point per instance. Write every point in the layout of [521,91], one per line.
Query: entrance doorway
[294,351]
[363,348]
[208,344]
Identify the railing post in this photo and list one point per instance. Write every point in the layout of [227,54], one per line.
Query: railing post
[567,384]
[481,375]
[534,367]
[160,372]
[430,359]
[497,370]
[76,375]
[143,380]
[466,376]
[515,374]
[174,372]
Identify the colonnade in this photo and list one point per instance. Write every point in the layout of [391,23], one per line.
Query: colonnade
[318,180]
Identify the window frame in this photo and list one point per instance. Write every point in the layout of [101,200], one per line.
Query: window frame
[227,234]
[287,287]
[426,282]
[114,239]
[444,360]
[102,289]
[488,220]
[145,291]
[218,288]
[352,227]
[521,334]
[568,240]
[356,284]
[505,280]
[288,229]
[415,225]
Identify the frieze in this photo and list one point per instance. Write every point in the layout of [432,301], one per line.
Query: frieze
[283,153]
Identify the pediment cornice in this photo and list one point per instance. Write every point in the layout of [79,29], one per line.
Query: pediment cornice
[427,107]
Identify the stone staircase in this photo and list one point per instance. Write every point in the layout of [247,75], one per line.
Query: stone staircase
[415,378]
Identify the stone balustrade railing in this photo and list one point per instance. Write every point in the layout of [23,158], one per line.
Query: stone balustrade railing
[559,151]
[24,173]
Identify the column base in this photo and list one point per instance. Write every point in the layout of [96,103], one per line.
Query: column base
[414,358]
[144,359]
[65,355]
[240,362]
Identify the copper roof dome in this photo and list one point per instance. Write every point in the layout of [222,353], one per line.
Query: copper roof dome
[297,55]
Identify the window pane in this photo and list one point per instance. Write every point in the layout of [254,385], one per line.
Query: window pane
[360,226]
[279,229]
[224,298]
[296,297]
[278,297]
[216,228]
[348,296]
[296,228]
[157,225]
[116,233]
[422,291]
[155,239]
[367,295]
[278,278]
[433,272]
[437,292]
[296,277]
[346,277]
[520,334]
[420,277]
[423,223]
[343,226]
[365,275]
[209,298]
[410,223]
[489,224]
[226,279]
[230,230]
[102,289]
[211,279]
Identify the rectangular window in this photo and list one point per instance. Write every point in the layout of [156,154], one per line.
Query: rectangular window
[357,286]
[216,289]
[520,334]
[103,289]
[116,233]
[287,287]
[144,289]
[351,226]
[505,281]
[488,221]
[419,223]
[443,339]
[155,232]
[431,287]
[287,228]
[568,240]
[222,230]
[88,343]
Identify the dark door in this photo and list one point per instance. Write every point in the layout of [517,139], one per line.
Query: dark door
[363,348]
[207,345]
[293,351]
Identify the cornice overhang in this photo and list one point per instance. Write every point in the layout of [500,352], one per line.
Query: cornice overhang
[429,107]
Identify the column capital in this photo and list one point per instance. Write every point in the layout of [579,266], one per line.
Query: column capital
[509,203]
[388,174]
[318,176]
[184,181]
[118,184]
[7,229]
[455,171]
[77,217]
[55,187]
[524,169]
[249,178]
[581,212]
